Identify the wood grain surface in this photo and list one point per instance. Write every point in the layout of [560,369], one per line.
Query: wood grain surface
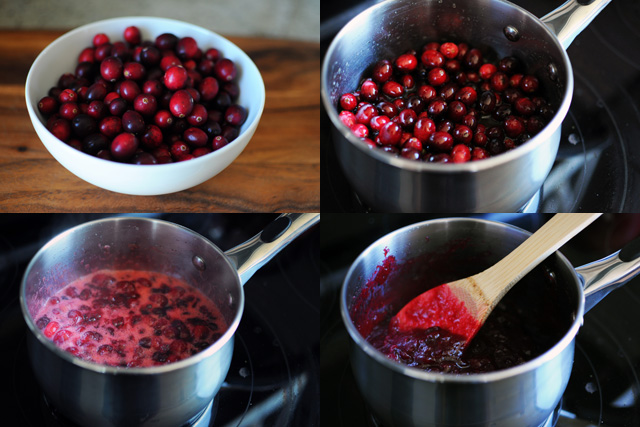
[278,171]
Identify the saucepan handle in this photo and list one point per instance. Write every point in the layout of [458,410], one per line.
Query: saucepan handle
[249,256]
[603,276]
[568,20]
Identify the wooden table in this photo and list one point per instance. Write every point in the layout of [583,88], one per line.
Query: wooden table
[278,171]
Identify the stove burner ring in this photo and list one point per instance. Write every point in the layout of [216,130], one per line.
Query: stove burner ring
[55,419]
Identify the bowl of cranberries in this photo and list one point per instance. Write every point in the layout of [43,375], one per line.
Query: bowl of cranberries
[144,105]
[446,106]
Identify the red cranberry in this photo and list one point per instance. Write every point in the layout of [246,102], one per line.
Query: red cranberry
[166,41]
[392,89]
[348,101]
[118,106]
[457,110]
[513,126]
[198,115]
[377,122]
[86,55]
[133,71]
[132,35]
[51,329]
[432,58]
[427,93]
[129,90]
[218,142]
[365,113]
[390,134]
[437,77]
[406,63]
[179,148]
[463,134]
[473,59]
[382,71]
[145,104]
[48,105]
[410,153]
[449,50]
[509,65]
[110,126]
[414,143]
[69,110]
[152,137]
[467,95]
[152,87]
[369,90]
[111,68]
[225,70]
[235,115]
[524,106]
[175,78]
[499,81]
[479,153]
[486,71]
[347,118]
[437,108]
[181,103]
[124,146]
[460,154]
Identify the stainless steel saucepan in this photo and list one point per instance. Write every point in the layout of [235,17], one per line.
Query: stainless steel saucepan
[90,394]
[523,395]
[502,183]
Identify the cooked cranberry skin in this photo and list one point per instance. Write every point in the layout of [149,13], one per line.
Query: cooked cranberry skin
[124,146]
[181,103]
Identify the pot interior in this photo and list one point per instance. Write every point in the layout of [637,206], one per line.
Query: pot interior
[138,244]
[391,28]
[534,315]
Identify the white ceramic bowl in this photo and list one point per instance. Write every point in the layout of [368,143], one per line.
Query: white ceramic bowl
[61,57]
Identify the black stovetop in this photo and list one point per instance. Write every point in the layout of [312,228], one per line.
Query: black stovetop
[598,164]
[273,379]
[604,389]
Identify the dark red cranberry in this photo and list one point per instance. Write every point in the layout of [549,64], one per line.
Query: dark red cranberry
[181,103]
[511,95]
[83,125]
[195,137]
[487,102]
[495,132]
[473,59]
[69,110]
[445,126]
[529,84]
[129,90]
[225,70]
[175,78]
[133,71]
[166,41]
[348,101]
[535,124]
[143,158]
[452,66]
[218,142]
[150,56]
[509,65]
[132,122]
[463,134]
[406,118]
[501,112]
[437,108]
[486,71]
[369,90]
[152,137]
[187,48]
[441,141]
[118,106]
[427,93]
[382,71]
[48,105]
[513,126]
[524,106]
[124,146]
[456,111]
[96,91]
[448,91]
[236,115]
[479,153]
[449,50]
[499,81]
[110,126]
[410,153]
[152,87]
[111,68]
[467,95]
[95,142]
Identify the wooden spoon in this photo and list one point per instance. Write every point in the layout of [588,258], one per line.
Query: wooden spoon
[462,307]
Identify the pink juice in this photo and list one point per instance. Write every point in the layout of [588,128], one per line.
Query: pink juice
[130,318]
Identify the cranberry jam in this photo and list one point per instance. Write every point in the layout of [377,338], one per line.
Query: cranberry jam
[130,318]
[528,321]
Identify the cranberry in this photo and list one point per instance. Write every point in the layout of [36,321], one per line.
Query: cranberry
[145,104]
[393,89]
[218,142]
[369,90]
[51,329]
[83,125]
[132,122]
[486,71]
[181,103]
[69,110]
[48,105]
[132,35]
[449,50]
[225,70]
[347,118]
[499,81]
[437,108]
[524,106]
[406,63]
[467,95]
[479,153]
[460,154]
[382,71]
[529,84]
[111,68]
[195,137]
[42,322]
[152,87]
[442,141]
[175,78]
[152,137]
[456,111]
[67,95]
[463,134]
[61,336]
[365,113]
[437,77]
[61,129]
[473,59]
[390,134]
[509,65]
[235,115]
[513,127]
[432,58]
[124,146]
[133,71]
[427,92]
[347,101]
[487,102]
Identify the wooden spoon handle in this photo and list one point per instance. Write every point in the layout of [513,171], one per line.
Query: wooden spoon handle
[550,237]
